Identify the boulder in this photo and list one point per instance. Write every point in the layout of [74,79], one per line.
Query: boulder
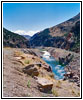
[69,75]
[31,70]
[47,67]
[75,78]
[38,64]
[17,58]
[44,84]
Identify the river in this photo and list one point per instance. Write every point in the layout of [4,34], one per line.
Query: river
[57,69]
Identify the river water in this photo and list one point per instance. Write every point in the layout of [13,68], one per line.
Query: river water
[57,69]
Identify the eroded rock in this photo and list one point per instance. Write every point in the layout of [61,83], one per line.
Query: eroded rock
[31,70]
[45,84]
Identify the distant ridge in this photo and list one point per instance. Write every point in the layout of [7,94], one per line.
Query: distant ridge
[27,36]
[14,40]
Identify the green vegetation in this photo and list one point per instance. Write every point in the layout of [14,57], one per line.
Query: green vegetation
[49,92]
[58,84]
[26,61]
[44,96]
[76,46]
[78,93]
[42,49]
[28,84]
[76,32]
[55,93]
[66,34]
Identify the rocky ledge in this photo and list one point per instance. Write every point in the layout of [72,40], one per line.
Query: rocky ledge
[73,70]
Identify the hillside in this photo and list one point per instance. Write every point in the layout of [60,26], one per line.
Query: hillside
[27,36]
[14,40]
[65,35]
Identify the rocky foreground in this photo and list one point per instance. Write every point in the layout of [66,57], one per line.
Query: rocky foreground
[26,75]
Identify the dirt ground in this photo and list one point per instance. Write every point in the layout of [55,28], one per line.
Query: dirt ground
[15,82]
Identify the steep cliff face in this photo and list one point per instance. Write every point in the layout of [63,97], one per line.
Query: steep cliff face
[65,35]
[14,40]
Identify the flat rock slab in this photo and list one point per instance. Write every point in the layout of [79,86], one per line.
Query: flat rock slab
[45,85]
[18,58]
[44,82]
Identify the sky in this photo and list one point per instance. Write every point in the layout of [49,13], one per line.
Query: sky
[30,18]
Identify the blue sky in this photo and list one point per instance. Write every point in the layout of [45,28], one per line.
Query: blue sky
[29,18]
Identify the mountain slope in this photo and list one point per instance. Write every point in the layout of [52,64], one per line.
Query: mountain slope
[11,39]
[62,35]
[27,36]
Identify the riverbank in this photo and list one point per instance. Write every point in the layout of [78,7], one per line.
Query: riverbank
[17,82]
[72,68]
[57,69]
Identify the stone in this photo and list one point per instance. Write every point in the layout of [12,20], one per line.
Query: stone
[35,77]
[75,77]
[48,68]
[31,70]
[45,84]
[39,64]
[69,74]
[17,58]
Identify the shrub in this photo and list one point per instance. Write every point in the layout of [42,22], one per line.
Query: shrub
[28,84]
[55,93]
[58,84]
[26,61]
